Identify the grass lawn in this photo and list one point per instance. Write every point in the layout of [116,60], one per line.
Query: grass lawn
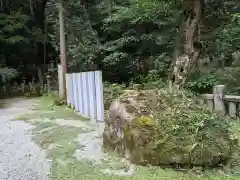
[46,109]
[59,142]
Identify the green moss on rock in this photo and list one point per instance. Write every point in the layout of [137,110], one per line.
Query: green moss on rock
[163,127]
[143,121]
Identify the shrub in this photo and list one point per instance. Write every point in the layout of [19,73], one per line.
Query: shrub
[164,127]
[151,81]
[111,92]
[202,82]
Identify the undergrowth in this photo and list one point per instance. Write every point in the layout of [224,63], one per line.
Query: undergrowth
[60,145]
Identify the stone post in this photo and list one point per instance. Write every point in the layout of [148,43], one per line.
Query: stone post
[30,86]
[137,87]
[33,84]
[49,84]
[45,88]
[23,87]
[218,95]
[23,84]
[232,109]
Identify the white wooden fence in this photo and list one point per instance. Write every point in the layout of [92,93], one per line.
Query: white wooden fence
[85,94]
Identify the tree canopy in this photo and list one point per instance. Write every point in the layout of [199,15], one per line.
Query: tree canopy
[126,39]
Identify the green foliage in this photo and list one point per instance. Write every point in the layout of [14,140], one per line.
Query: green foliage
[230,34]
[227,41]
[82,39]
[222,49]
[151,81]
[7,74]
[135,35]
[111,92]
[151,77]
[189,128]
[230,75]
[11,24]
[170,127]
[125,39]
[16,28]
[202,82]
[20,39]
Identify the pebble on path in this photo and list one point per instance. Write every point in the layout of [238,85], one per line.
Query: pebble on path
[20,157]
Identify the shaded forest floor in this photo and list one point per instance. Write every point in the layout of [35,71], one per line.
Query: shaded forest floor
[74,146]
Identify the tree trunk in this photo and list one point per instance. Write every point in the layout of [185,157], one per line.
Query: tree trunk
[186,59]
[63,48]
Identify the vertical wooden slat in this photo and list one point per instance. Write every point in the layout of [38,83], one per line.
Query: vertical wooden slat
[82,93]
[75,91]
[85,95]
[68,88]
[79,92]
[99,96]
[92,95]
[232,108]
[72,91]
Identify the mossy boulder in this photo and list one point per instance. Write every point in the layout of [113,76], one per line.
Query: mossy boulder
[165,127]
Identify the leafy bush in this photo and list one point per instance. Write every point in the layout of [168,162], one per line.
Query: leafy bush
[111,92]
[151,81]
[137,37]
[202,82]
[168,127]
[230,75]
[194,134]
[228,38]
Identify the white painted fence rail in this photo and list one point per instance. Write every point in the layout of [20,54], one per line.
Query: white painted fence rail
[85,94]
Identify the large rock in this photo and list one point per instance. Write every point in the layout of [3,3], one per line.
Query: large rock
[167,128]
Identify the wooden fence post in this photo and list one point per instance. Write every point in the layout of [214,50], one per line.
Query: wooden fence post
[218,95]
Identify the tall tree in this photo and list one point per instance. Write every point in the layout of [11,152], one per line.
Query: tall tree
[201,19]
[189,54]
[63,56]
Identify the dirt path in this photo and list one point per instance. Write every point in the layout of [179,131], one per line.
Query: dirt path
[20,157]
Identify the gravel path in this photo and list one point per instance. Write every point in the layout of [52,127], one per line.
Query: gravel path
[20,158]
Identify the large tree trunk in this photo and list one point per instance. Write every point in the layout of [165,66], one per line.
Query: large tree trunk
[188,56]
[63,49]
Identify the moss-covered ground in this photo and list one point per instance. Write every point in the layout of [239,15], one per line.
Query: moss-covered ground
[60,143]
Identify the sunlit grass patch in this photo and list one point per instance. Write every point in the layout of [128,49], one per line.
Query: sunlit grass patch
[46,108]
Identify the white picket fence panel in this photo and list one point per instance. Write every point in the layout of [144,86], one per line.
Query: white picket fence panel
[85,94]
